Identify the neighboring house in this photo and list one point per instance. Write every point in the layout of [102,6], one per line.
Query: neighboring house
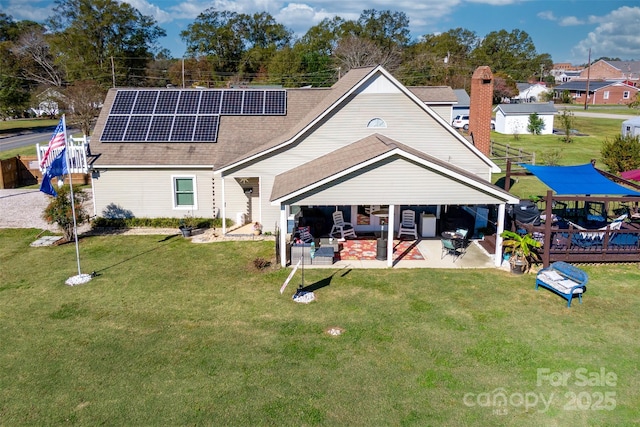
[613,71]
[564,72]
[262,155]
[464,101]
[631,127]
[600,92]
[47,103]
[528,92]
[441,99]
[514,118]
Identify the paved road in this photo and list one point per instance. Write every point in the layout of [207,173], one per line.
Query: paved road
[27,138]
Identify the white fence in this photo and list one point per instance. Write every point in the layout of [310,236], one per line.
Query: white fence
[77,154]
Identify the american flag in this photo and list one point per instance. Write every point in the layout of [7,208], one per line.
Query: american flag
[57,141]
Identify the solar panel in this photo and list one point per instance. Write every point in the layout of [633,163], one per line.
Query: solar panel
[184,114]
[210,102]
[160,128]
[114,128]
[275,102]
[232,102]
[167,101]
[188,102]
[206,129]
[183,127]
[123,102]
[253,102]
[138,128]
[145,102]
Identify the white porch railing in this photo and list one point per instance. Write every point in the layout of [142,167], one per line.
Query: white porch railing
[77,154]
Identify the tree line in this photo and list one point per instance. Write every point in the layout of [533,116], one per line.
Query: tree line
[88,46]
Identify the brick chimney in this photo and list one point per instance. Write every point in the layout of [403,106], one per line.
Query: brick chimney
[481,108]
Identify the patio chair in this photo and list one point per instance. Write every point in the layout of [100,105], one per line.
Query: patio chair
[345,229]
[304,234]
[408,224]
[450,248]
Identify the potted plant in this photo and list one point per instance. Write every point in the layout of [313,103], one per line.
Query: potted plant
[257,228]
[187,224]
[522,250]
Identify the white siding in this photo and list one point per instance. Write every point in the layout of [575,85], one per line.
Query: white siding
[418,186]
[406,123]
[148,193]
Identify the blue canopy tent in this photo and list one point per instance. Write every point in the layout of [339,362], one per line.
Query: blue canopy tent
[578,180]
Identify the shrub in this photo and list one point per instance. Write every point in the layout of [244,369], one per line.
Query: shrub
[536,124]
[59,210]
[621,153]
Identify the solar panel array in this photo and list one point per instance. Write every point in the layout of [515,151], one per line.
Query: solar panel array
[184,115]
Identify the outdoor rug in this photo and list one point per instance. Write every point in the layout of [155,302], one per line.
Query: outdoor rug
[365,248]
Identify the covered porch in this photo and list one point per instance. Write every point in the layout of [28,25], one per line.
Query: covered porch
[381,172]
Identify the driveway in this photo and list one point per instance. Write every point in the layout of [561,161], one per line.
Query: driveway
[22,208]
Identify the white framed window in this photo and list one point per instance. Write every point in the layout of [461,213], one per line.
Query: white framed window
[376,123]
[626,94]
[185,195]
[605,95]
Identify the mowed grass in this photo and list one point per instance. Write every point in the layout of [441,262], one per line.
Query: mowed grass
[175,333]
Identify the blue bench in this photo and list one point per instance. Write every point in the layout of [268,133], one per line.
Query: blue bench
[564,279]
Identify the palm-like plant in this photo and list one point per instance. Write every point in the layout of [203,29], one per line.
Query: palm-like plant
[521,248]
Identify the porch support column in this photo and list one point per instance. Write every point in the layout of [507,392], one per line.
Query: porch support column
[224,207]
[283,235]
[499,229]
[390,236]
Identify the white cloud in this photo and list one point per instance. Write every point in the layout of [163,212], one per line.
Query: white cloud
[148,9]
[615,36]
[547,15]
[570,21]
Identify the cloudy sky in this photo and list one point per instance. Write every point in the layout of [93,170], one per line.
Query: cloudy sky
[565,29]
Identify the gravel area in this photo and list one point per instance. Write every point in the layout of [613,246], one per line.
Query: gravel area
[20,208]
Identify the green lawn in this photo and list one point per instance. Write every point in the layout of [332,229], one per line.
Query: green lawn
[175,333]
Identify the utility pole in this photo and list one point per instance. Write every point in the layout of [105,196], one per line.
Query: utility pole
[586,95]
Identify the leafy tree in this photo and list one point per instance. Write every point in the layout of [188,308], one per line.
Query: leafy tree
[441,59]
[89,36]
[386,29]
[14,89]
[513,54]
[59,210]
[235,42]
[536,124]
[621,153]
[566,124]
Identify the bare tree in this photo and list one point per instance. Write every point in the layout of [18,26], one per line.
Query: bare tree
[37,62]
[354,52]
[83,99]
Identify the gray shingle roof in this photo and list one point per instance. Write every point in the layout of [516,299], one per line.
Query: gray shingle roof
[527,108]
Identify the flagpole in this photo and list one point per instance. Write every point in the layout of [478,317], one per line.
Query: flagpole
[73,205]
